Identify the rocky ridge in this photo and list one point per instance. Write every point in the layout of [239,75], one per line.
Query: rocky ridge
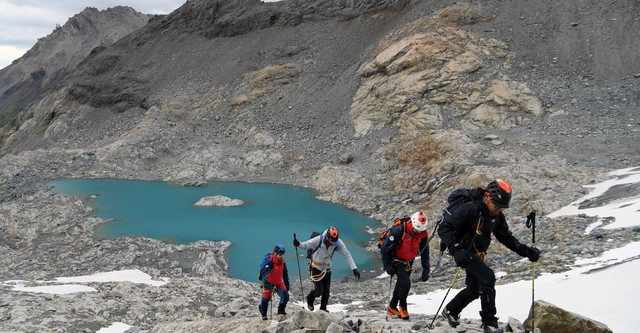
[381,106]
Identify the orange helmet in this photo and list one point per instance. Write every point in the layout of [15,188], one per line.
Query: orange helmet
[332,234]
[500,193]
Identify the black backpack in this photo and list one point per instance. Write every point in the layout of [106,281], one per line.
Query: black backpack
[456,198]
[310,251]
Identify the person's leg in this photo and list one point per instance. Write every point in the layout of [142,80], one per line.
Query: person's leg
[316,292]
[404,284]
[284,298]
[465,296]
[326,287]
[264,303]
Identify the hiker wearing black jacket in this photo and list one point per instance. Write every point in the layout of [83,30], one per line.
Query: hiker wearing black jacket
[466,231]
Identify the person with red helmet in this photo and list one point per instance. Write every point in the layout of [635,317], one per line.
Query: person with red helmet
[399,250]
[466,231]
[324,245]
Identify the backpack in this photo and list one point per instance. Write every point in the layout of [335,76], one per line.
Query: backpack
[310,251]
[455,199]
[264,262]
[385,233]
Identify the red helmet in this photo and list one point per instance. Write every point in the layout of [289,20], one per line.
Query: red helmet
[332,234]
[500,193]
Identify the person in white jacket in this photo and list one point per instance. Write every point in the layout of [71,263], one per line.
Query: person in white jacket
[323,246]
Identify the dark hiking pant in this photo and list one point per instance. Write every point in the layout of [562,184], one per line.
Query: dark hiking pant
[403,284]
[480,282]
[321,289]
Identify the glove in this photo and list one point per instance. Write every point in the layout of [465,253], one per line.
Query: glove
[356,273]
[390,270]
[425,276]
[533,255]
[296,243]
[461,258]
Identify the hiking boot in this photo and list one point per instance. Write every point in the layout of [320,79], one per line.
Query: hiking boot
[325,310]
[404,314]
[454,320]
[491,329]
[392,311]
[310,306]
[281,308]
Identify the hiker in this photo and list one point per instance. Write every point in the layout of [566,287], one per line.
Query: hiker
[399,250]
[325,245]
[466,231]
[274,276]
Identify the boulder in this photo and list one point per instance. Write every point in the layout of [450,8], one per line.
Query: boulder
[550,318]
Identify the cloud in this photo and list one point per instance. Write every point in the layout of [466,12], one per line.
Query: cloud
[9,54]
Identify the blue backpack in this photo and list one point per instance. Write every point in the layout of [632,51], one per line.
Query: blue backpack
[264,262]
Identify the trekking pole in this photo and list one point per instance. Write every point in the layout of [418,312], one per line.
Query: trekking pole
[531,223]
[299,272]
[445,297]
[390,280]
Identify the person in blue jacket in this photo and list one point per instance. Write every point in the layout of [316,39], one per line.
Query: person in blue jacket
[399,250]
[275,276]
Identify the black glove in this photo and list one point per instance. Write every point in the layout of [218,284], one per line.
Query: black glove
[390,270]
[296,243]
[533,254]
[425,276]
[461,258]
[356,273]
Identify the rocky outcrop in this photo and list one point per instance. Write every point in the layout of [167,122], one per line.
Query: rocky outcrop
[550,318]
[218,200]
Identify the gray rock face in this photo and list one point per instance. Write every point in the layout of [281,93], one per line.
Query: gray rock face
[55,56]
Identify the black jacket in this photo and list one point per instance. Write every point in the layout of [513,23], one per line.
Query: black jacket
[459,227]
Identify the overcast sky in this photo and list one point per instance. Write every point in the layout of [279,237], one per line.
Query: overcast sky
[22,22]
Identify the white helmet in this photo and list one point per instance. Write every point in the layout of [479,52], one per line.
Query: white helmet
[419,221]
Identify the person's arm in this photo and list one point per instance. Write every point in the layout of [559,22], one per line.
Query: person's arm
[342,248]
[311,243]
[504,236]
[424,258]
[455,224]
[388,246]
[285,276]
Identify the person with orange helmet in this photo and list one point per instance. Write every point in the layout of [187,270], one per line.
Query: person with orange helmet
[399,250]
[466,232]
[324,246]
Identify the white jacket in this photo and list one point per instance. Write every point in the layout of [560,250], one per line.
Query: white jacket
[322,257]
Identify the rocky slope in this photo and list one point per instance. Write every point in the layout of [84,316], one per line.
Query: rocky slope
[53,57]
[383,106]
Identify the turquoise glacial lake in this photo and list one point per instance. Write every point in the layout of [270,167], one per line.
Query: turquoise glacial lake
[270,215]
